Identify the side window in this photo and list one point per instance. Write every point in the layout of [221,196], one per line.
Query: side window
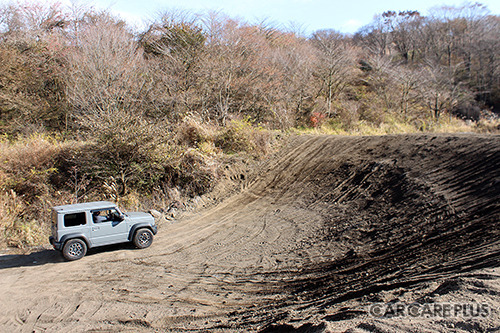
[73,220]
[105,215]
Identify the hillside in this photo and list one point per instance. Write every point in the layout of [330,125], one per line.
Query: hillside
[321,230]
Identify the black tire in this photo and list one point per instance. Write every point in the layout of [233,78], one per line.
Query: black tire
[74,249]
[143,238]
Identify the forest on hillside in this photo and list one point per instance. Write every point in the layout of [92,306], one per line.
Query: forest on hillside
[63,67]
[93,108]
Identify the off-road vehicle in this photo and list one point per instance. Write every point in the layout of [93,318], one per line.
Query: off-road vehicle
[78,227]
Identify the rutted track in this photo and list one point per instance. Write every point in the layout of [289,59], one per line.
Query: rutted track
[320,227]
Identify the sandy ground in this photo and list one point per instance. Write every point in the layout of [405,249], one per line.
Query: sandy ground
[313,238]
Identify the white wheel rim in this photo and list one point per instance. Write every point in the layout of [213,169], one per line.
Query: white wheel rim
[144,238]
[75,249]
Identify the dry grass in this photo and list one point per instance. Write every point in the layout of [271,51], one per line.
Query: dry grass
[237,137]
[240,136]
[394,126]
[25,193]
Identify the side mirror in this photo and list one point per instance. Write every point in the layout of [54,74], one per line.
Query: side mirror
[121,217]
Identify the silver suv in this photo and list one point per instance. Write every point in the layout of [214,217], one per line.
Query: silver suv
[78,227]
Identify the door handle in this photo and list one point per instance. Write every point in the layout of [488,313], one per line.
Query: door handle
[95,228]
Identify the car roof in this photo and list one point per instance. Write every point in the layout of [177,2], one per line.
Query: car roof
[84,206]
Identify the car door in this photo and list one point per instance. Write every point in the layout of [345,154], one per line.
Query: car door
[107,227]
[74,223]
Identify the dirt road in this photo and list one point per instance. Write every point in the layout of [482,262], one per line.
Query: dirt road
[318,232]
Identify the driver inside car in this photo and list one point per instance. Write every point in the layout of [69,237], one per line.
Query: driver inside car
[97,217]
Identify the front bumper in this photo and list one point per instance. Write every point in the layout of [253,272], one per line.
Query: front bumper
[55,245]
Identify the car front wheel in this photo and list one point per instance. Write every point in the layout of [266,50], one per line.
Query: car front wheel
[143,238]
[74,249]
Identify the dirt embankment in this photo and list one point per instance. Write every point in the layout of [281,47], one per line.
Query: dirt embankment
[319,232]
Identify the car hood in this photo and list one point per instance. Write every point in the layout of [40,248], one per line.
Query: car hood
[140,216]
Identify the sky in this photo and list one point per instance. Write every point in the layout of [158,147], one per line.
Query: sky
[308,15]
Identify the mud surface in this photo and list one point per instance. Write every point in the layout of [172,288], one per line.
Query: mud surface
[317,233]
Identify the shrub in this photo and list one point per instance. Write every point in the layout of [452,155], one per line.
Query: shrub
[317,119]
[194,173]
[241,136]
[27,164]
[193,133]
[26,167]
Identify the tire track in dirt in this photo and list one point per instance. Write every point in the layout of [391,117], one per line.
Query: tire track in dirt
[326,223]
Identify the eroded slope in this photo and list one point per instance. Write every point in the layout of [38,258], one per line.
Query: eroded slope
[324,227]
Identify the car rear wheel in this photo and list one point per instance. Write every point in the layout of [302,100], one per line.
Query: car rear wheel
[74,249]
[143,238]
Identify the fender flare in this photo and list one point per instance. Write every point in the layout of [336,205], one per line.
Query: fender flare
[73,236]
[139,226]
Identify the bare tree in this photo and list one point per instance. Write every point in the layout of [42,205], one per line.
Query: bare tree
[29,22]
[109,88]
[487,68]
[175,46]
[440,91]
[407,81]
[106,72]
[405,29]
[376,37]
[335,65]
